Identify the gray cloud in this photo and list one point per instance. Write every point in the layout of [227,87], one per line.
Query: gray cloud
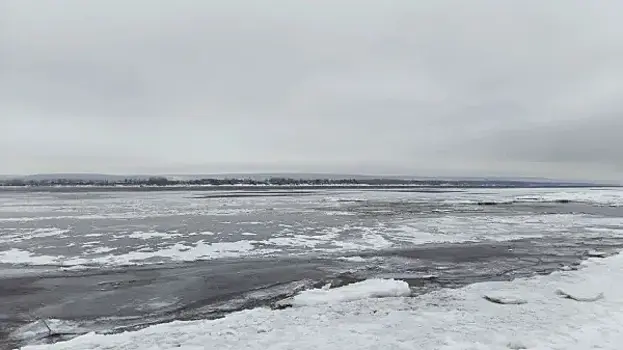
[594,143]
[513,88]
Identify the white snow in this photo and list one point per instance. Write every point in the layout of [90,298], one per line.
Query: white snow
[23,235]
[101,250]
[356,259]
[23,257]
[372,288]
[177,253]
[181,252]
[18,256]
[507,298]
[152,234]
[448,319]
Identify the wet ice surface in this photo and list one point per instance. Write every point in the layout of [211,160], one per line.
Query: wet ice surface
[116,261]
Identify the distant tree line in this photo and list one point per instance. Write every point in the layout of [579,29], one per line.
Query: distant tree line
[276,181]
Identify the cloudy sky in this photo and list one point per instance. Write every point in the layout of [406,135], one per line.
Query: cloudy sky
[450,87]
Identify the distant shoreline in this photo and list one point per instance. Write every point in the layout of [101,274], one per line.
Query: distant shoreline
[270,188]
[67,183]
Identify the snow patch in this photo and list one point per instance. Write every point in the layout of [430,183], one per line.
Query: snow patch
[181,252]
[153,234]
[356,259]
[372,288]
[504,299]
[580,296]
[596,254]
[175,253]
[101,250]
[21,235]
[18,256]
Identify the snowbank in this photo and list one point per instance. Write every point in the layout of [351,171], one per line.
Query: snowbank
[447,319]
[373,288]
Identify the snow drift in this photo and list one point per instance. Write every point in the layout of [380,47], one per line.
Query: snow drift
[372,288]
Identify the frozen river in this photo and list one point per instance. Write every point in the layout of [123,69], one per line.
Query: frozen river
[110,261]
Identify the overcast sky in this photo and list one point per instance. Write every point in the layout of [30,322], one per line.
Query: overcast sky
[524,88]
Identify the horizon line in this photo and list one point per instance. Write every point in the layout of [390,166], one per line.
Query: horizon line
[377,176]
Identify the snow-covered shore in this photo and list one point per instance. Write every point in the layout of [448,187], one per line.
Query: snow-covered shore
[377,315]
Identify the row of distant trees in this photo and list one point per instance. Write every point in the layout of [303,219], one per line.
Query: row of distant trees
[163,181]
[274,181]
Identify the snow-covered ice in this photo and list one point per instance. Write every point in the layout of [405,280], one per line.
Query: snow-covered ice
[182,252]
[177,252]
[18,256]
[448,319]
[356,259]
[152,235]
[24,235]
[151,228]
[372,288]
